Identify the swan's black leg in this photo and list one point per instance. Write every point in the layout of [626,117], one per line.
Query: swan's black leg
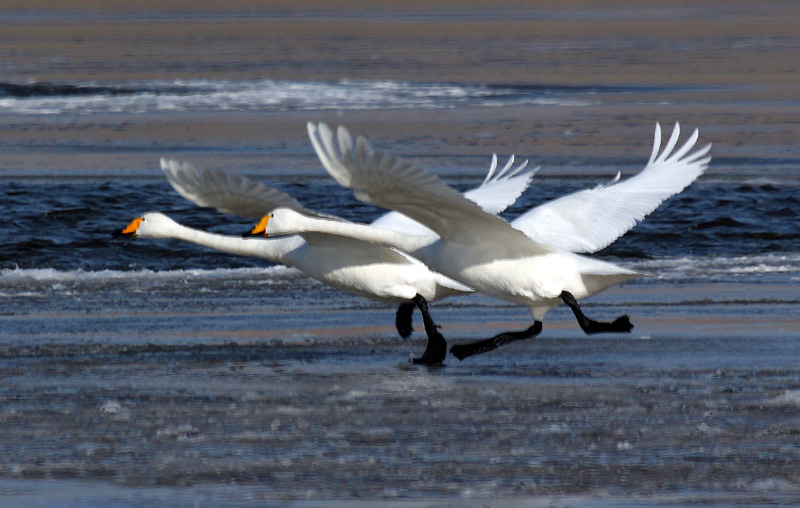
[590,326]
[437,347]
[403,319]
[462,351]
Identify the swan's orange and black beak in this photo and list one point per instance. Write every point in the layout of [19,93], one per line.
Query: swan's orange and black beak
[260,229]
[130,229]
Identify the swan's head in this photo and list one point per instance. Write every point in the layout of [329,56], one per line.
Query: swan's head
[149,225]
[280,222]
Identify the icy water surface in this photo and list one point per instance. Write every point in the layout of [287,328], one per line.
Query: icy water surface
[147,373]
[139,372]
[682,419]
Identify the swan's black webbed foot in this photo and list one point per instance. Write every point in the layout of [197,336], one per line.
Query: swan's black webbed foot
[403,319]
[622,324]
[436,350]
[462,351]
[589,326]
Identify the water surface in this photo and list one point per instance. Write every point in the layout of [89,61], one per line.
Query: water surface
[153,373]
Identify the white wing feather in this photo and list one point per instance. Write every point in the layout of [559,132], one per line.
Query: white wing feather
[497,192]
[391,182]
[501,190]
[589,220]
[227,192]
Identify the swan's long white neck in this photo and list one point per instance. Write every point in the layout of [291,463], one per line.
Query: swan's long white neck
[272,249]
[299,223]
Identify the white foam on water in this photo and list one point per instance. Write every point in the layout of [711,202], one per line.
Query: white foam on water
[270,95]
[51,275]
[787,398]
[711,267]
[667,269]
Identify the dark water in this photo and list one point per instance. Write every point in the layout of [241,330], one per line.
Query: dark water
[66,225]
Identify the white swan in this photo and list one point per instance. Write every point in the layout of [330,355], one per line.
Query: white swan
[531,262]
[373,271]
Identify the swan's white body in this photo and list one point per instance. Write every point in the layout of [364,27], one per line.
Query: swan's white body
[365,269]
[530,262]
[531,278]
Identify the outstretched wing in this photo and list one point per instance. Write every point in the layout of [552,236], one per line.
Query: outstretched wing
[227,192]
[588,220]
[499,190]
[391,182]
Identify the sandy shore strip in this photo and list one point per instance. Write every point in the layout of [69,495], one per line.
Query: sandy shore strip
[562,139]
